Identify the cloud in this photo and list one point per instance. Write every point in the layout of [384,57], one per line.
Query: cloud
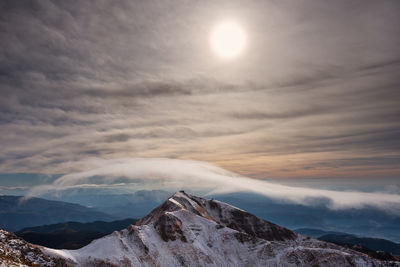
[12,188]
[196,175]
[142,82]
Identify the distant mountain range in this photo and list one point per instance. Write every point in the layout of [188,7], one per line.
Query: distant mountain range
[71,235]
[191,231]
[366,221]
[134,205]
[375,247]
[17,213]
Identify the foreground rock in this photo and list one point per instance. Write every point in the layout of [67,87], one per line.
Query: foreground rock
[16,252]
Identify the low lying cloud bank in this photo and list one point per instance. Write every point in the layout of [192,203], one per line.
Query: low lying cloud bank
[174,174]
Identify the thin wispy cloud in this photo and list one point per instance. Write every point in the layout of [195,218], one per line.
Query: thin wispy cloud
[138,79]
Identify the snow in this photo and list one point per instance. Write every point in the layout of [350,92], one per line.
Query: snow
[66,254]
[17,252]
[198,235]
[228,205]
[176,202]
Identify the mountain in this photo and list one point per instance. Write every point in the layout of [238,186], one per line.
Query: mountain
[366,221]
[316,232]
[17,213]
[71,235]
[16,252]
[377,244]
[375,247]
[192,231]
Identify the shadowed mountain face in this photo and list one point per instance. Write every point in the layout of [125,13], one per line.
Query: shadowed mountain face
[365,221]
[191,231]
[71,235]
[17,213]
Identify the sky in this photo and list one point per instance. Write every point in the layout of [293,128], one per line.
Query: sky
[314,93]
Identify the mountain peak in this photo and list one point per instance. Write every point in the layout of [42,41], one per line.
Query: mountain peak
[187,230]
[222,214]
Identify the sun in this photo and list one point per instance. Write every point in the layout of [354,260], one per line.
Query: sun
[227,39]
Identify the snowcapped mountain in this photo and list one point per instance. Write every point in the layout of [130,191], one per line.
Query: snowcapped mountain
[192,231]
[16,252]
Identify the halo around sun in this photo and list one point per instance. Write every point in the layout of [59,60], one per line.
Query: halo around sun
[227,39]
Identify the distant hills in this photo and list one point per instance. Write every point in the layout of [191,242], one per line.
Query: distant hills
[133,205]
[368,242]
[17,213]
[71,235]
[375,247]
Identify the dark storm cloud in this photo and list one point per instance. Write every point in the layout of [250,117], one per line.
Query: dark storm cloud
[136,79]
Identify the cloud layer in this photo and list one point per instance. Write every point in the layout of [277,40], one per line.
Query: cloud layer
[195,175]
[316,94]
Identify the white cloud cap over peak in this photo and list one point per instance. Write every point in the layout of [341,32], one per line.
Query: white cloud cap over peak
[175,174]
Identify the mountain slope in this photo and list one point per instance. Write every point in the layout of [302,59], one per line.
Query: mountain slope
[17,252]
[350,239]
[191,231]
[71,235]
[17,213]
[375,247]
[371,243]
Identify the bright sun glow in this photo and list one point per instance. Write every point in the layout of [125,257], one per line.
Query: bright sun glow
[227,39]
